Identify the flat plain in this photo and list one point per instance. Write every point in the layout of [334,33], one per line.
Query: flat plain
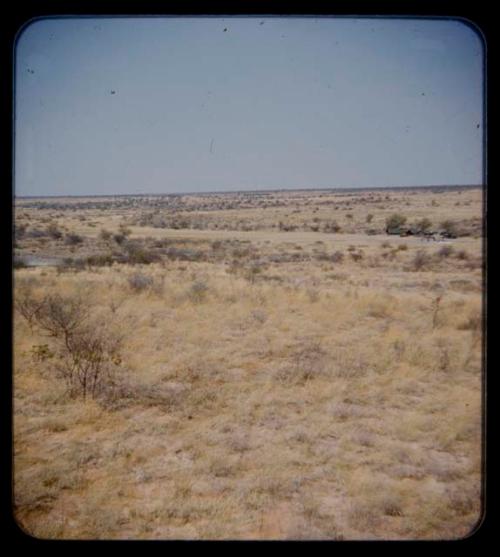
[268,365]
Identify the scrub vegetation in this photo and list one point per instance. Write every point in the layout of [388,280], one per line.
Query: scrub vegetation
[268,365]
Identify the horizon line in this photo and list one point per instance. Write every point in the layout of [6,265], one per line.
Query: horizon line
[274,190]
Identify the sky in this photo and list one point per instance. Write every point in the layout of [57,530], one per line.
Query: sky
[171,105]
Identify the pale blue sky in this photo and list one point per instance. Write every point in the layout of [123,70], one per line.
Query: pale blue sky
[269,103]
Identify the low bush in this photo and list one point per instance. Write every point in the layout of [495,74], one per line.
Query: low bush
[423,225]
[445,251]
[395,220]
[86,353]
[449,228]
[27,304]
[198,291]
[253,272]
[54,232]
[100,260]
[421,260]
[139,282]
[138,255]
[73,239]
[332,227]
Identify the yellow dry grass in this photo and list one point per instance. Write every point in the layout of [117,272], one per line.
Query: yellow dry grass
[315,400]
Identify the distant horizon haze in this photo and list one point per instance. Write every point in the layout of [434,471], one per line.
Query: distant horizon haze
[178,105]
[276,190]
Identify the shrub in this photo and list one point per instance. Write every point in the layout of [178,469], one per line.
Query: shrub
[88,361]
[54,232]
[369,218]
[86,353]
[73,239]
[472,323]
[332,227]
[395,220]
[124,230]
[198,291]
[27,304]
[423,225]
[105,235]
[139,282]
[309,362]
[136,254]
[337,257]
[449,228]
[61,317]
[41,352]
[119,238]
[421,260]
[252,272]
[99,260]
[36,233]
[445,251]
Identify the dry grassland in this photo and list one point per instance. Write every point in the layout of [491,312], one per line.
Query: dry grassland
[272,384]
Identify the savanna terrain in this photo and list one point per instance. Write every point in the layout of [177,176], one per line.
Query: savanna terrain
[260,365]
